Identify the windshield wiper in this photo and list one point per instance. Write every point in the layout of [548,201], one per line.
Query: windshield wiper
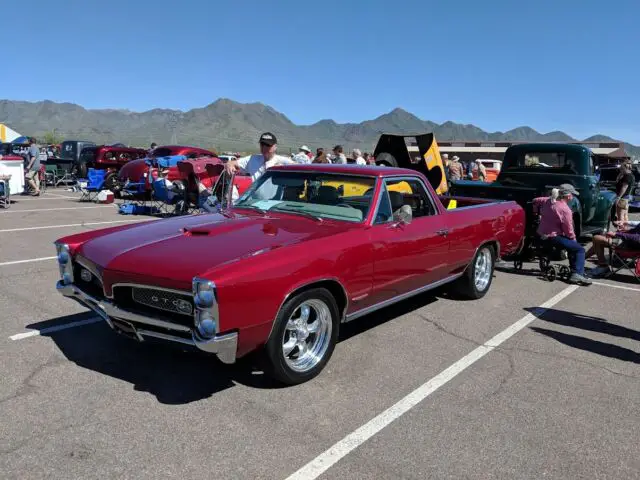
[300,212]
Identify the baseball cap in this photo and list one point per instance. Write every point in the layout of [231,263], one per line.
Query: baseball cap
[268,138]
[568,188]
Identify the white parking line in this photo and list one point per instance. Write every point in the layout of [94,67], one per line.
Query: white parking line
[57,328]
[617,286]
[70,225]
[44,196]
[16,262]
[6,212]
[61,196]
[324,461]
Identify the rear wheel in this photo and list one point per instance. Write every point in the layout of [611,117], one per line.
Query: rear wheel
[82,170]
[478,276]
[110,183]
[303,337]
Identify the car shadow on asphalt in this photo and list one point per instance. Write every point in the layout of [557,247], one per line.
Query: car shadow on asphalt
[379,317]
[591,324]
[174,375]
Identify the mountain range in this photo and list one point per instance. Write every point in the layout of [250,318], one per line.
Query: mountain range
[229,125]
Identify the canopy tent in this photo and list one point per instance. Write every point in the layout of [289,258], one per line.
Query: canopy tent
[8,135]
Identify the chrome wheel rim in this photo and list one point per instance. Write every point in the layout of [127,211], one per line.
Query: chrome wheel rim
[482,269]
[307,335]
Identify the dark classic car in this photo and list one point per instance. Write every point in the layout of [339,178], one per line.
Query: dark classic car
[306,248]
[107,157]
[532,170]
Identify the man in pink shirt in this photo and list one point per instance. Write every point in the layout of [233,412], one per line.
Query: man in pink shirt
[556,226]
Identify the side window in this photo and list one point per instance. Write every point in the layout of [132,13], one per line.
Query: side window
[410,193]
[384,213]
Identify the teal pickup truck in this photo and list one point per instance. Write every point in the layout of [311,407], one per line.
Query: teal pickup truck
[532,170]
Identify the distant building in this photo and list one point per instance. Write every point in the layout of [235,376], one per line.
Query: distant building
[605,152]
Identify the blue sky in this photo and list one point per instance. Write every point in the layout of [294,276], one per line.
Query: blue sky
[553,65]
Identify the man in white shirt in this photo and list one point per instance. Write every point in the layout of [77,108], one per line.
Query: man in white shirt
[357,157]
[303,155]
[256,165]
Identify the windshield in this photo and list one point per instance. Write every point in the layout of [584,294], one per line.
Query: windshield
[68,150]
[541,161]
[311,194]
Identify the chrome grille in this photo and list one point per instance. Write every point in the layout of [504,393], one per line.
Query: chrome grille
[166,300]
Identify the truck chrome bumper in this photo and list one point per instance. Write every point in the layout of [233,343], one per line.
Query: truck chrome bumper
[223,346]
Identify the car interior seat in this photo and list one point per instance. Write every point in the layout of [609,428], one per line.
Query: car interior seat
[399,209]
[327,195]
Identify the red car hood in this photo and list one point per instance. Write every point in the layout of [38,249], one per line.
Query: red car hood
[179,249]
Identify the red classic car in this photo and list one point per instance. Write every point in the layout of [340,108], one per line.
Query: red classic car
[135,170]
[306,248]
[108,157]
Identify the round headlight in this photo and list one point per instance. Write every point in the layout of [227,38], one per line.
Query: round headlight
[63,257]
[204,299]
[207,328]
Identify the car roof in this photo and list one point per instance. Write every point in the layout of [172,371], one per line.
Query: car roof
[350,169]
[549,147]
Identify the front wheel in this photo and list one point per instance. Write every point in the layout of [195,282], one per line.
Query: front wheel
[475,282]
[303,337]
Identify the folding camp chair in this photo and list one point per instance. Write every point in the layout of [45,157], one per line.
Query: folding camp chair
[51,174]
[163,199]
[5,193]
[64,172]
[621,258]
[95,182]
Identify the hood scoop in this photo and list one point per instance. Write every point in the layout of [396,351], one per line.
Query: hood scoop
[196,231]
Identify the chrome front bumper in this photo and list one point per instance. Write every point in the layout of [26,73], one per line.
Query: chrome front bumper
[223,346]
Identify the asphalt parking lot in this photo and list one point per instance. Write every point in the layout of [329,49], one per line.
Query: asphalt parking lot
[535,380]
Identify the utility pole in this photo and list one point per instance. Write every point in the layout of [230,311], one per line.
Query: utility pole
[172,125]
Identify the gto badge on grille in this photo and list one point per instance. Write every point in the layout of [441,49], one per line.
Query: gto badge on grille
[166,303]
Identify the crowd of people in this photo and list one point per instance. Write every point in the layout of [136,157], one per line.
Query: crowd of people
[257,164]
[337,155]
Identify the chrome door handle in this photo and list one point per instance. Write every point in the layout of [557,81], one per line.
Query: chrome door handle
[444,232]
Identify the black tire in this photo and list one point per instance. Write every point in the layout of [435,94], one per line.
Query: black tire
[110,183]
[82,170]
[467,284]
[517,264]
[386,159]
[276,363]
[551,273]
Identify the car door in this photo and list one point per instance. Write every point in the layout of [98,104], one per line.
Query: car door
[407,255]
